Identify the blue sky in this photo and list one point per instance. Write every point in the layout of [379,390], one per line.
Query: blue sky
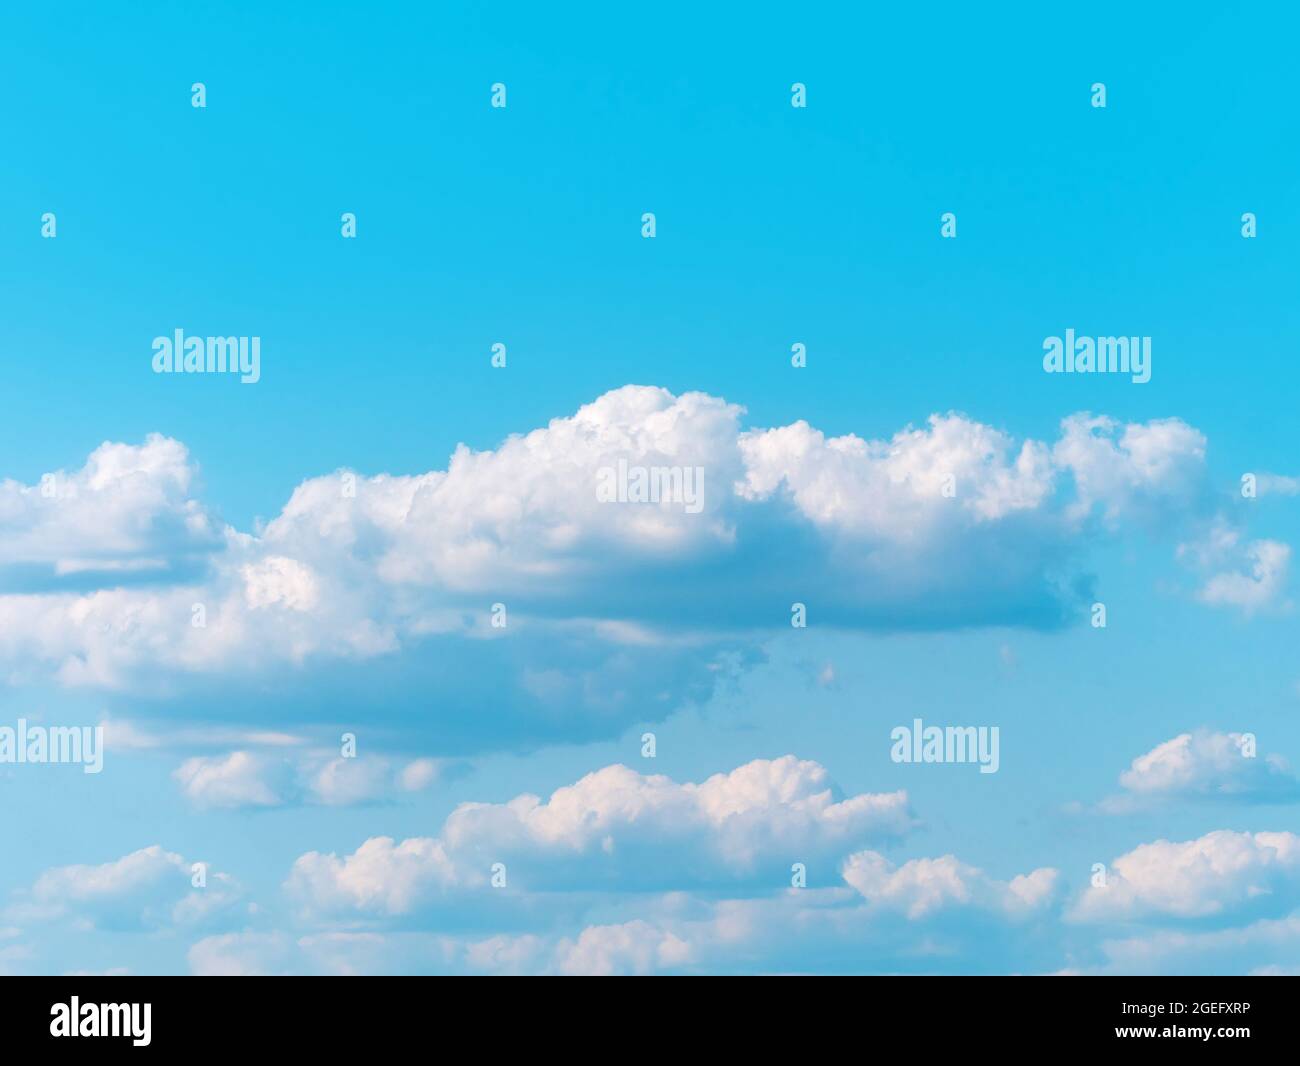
[371,614]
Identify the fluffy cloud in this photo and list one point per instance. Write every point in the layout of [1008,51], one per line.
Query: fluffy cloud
[635,947]
[1217,874]
[148,889]
[125,517]
[381,877]
[243,779]
[1260,585]
[1147,472]
[1206,765]
[386,584]
[237,780]
[966,926]
[930,916]
[924,886]
[614,828]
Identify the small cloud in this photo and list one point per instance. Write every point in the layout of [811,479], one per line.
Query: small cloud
[1261,586]
[240,779]
[1204,765]
[419,775]
[250,779]
[151,888]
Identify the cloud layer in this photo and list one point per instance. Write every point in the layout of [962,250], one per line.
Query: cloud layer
[120,581]
[616,830]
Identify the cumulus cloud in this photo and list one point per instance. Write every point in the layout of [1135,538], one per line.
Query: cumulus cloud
[926,916]
[634,947]
[1206,765]
[615,828]
[1147,472]
[148,889]
[924,886]
[1217,874]
[240,779]
[973,922]
[125,517]
[250,779]
[381,877]
[385,584]
[1262,582]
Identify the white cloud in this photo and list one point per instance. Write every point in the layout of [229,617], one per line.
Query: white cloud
[1269,563]
[615,828]
[419,774]
[922,887]
[279,582]
[381,877]
[239,779]
[126,513]
[1142,472]
[125,735]
[927,915]
[761,807]
[1206,764]
[341,782]
[892,491]
[399,572]
[634,947]
[149,888]
[1216,874]
[244,779]
[974,922]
